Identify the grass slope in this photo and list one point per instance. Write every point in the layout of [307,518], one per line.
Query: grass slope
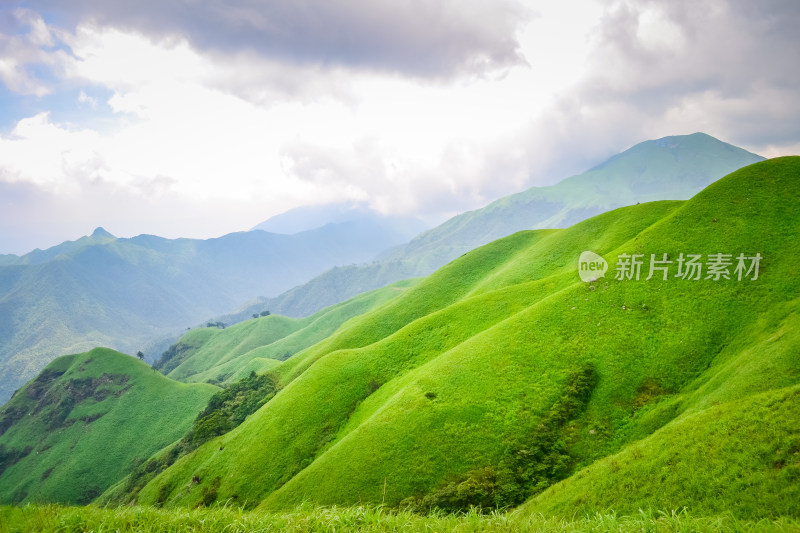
[337,285]
[452,381]
[259,344]
[79,426]
[739,455]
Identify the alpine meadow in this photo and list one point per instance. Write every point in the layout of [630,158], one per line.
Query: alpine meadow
[501,384]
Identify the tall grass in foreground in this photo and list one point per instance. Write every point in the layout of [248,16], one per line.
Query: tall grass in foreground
[47,518]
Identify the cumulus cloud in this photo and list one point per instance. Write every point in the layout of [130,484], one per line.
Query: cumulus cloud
[40,152]
[24,39]
[722,65]
[416,37]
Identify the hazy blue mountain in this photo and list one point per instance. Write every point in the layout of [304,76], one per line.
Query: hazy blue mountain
[671,168]
[400,228]
[336,285]
[99,236]
[124,293]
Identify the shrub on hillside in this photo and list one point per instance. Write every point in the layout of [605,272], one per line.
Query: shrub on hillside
[529,466]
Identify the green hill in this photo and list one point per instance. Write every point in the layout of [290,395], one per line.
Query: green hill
[85,421]
[259,344]
[502,374]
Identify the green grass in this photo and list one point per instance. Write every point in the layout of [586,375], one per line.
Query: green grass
[51,518]
[259,344]
[739,455]
[86,421]
[445,378]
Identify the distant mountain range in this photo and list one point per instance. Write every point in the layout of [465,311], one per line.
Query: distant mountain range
[311,217]
[123,293]
[671,168]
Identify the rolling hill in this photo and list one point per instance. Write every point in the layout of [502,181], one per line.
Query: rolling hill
[671,168]
[503,377]
[124,293]
[259,344]
[85,421]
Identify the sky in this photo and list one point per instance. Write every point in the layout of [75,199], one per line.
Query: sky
[190,118]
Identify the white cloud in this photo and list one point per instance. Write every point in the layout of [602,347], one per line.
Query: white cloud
[48,155]
[22,48]
[126,61]
[84,98]
[658,33]
[38,34]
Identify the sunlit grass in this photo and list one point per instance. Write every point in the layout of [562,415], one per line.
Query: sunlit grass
[52,518]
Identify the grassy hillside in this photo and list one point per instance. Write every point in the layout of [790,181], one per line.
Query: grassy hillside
[82,424]
[336,285]
[502,374]
[123,293]
[739,455]
[259,344]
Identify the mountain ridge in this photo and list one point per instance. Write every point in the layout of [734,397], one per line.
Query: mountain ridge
[305,218]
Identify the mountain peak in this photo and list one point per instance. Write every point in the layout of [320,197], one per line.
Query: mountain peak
[100,232]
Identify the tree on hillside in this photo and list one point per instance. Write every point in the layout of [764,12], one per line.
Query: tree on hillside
[265,313]
[140,355]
